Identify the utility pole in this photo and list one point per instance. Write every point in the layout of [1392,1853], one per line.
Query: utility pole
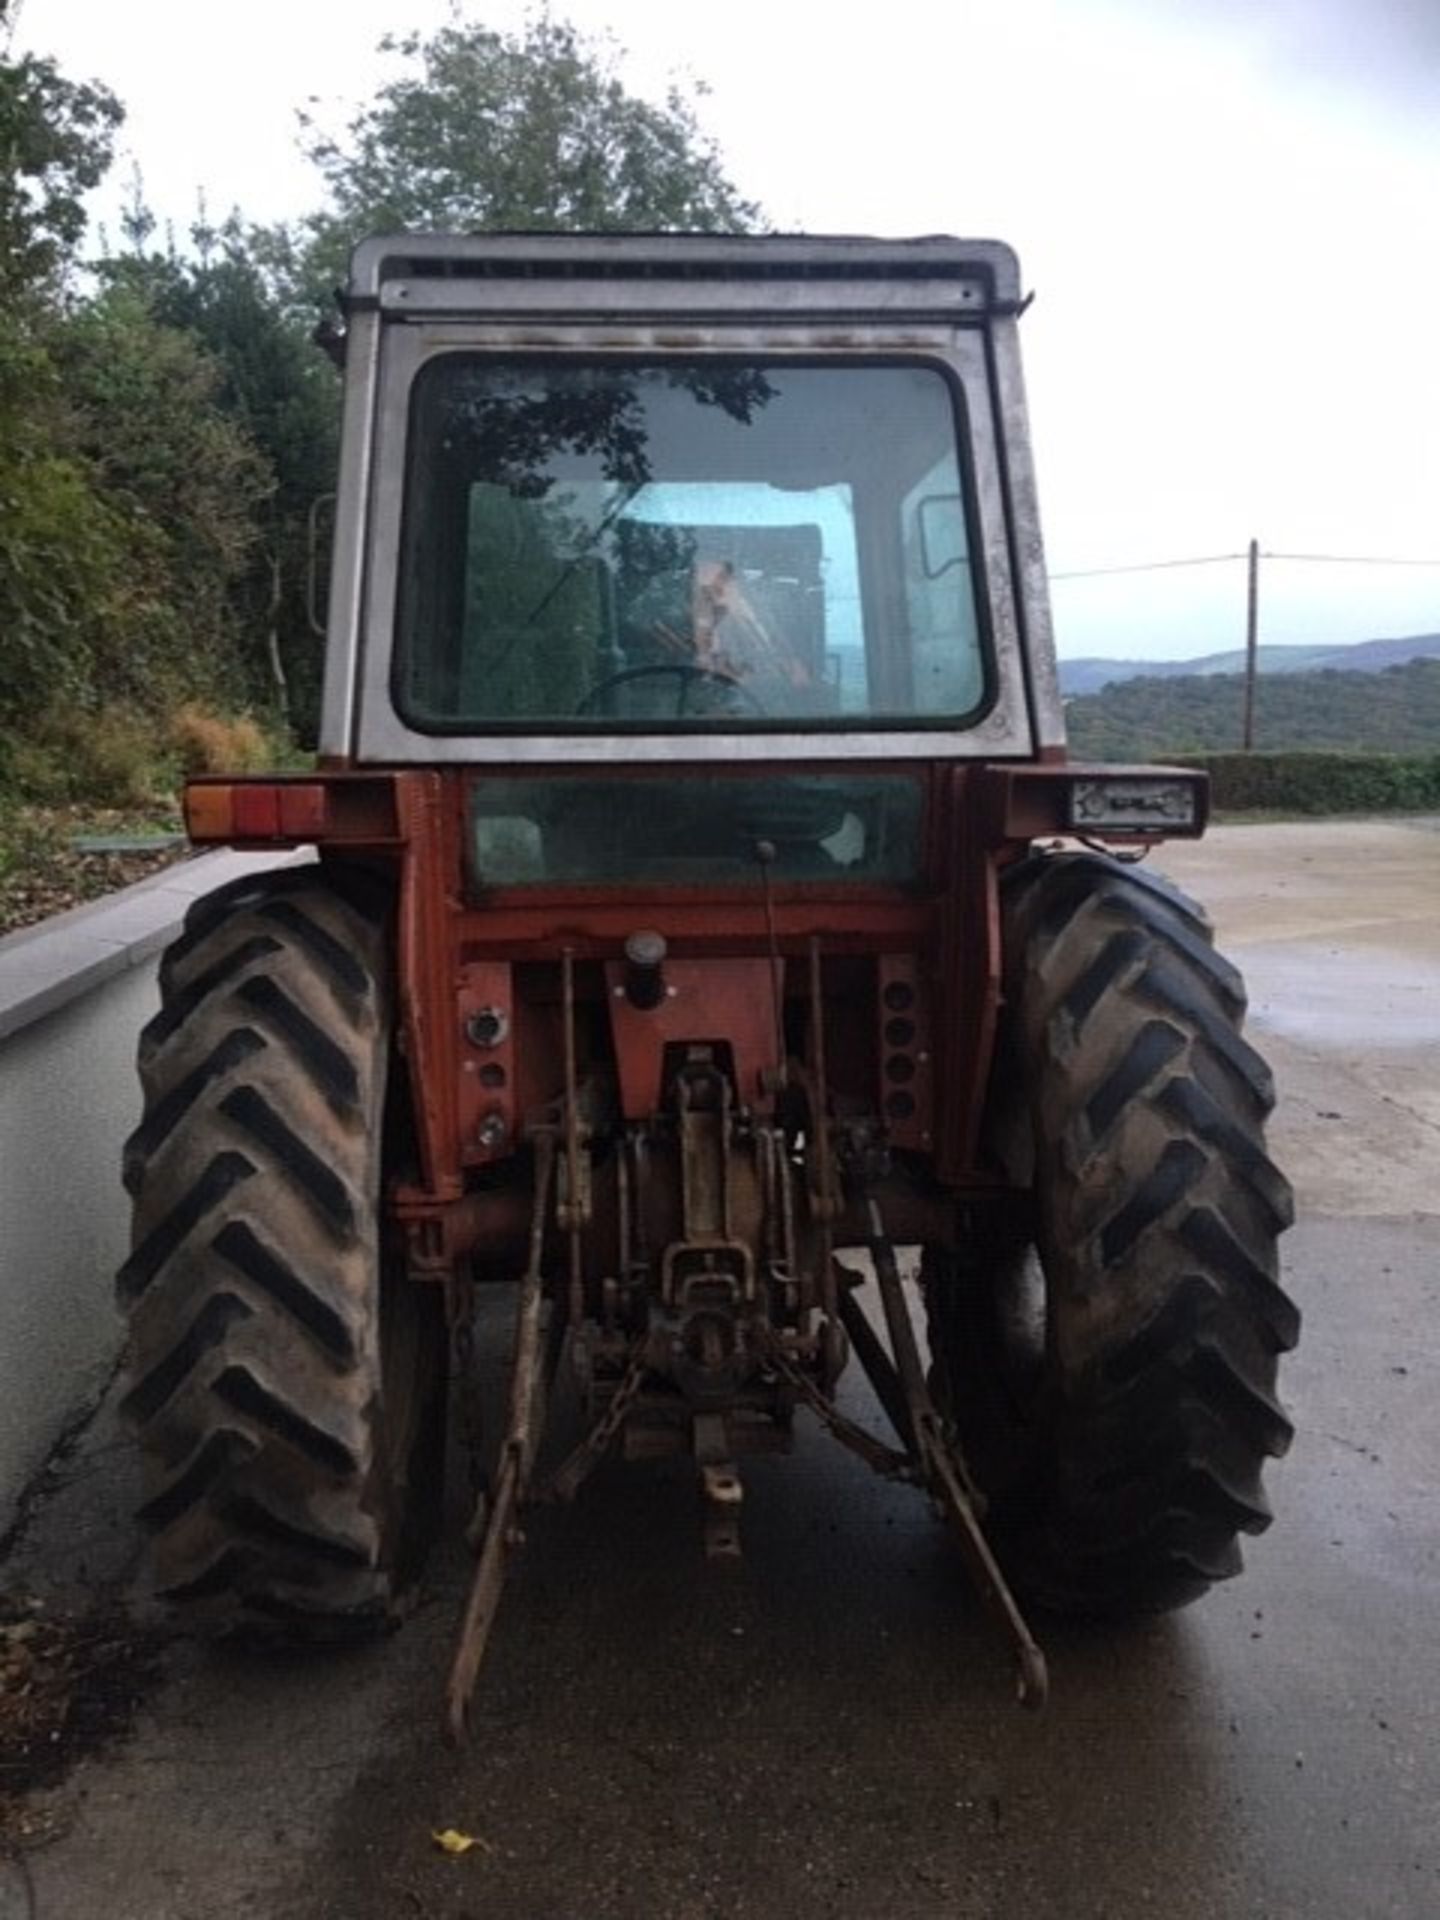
[1252,651]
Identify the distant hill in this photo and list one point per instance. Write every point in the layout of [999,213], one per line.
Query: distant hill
[1365,656]
[1394,711]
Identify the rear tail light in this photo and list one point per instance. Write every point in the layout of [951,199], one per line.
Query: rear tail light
[289,812]
[1132,803]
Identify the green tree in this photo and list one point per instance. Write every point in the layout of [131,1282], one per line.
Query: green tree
[273,384]
[480,130]
[56,138]
[164,435]
[487,130]
[1397,710]
[188,485]
[60,549]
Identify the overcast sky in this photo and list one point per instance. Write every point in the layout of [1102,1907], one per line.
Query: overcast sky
[1227,210]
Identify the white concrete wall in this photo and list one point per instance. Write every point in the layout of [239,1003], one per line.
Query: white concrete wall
[74,993]
[68,1097]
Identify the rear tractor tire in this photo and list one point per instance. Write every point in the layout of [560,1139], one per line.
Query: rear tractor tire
[1112,1380]
[286,1382]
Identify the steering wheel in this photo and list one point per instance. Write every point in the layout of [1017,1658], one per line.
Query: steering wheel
[679,670]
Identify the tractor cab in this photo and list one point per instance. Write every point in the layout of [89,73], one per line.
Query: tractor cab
[718,499]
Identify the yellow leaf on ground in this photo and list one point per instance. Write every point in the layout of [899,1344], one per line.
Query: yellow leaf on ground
[451,1840]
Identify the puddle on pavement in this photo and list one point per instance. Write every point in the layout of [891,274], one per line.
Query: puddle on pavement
[1341,997]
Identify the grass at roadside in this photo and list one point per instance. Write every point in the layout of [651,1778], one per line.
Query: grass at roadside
[116,774]
[42,872]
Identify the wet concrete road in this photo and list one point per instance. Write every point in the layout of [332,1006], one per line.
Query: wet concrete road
[827,1730]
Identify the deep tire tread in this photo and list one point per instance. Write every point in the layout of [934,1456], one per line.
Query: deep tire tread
[210,1329]
[252,1288]
[165,1115]
[328,1065]
[345,974]
[261,1523]
[1159,1210]
[213,1188]
[241,1389]
[211,1463]
[240,1245]
[261,1119]
[181,1007]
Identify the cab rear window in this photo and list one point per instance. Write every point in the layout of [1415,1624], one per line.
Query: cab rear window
[685,548]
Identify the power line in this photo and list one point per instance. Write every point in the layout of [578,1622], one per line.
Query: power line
[1252,555]
[1351,559]
[1216,559]
[1146,566]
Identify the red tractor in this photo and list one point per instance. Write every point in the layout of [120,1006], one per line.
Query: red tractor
[703,909]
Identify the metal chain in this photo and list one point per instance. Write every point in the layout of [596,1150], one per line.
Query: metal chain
[471,1418]
[885,1460]
[567,1478]
[565,1482]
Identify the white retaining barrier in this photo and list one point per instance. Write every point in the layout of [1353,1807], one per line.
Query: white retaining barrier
[74,993]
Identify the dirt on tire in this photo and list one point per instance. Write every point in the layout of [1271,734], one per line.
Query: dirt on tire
[1133,1442]
[253,1290]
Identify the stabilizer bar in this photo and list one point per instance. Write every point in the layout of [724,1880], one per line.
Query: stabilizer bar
[499,1533]
[945,1471]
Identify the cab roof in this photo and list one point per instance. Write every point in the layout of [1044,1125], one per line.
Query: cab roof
[935,276]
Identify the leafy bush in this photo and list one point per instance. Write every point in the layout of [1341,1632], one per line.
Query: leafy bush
[1396,711]
[112,757]
[119,756]
[210,742]
[27,841]
[1319,783]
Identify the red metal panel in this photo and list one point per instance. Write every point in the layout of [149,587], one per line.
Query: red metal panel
[485,1040]
[967,986]
[454,957]
[427,972]
[905,1053]
[705,1000]
[595,925]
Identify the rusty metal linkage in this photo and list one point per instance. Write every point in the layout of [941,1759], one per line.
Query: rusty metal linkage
[574,1213]
[500,1533]
[884,1460]
[711,1338]
[947,1476]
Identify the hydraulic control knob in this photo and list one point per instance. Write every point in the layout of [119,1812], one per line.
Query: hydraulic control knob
[644,970]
